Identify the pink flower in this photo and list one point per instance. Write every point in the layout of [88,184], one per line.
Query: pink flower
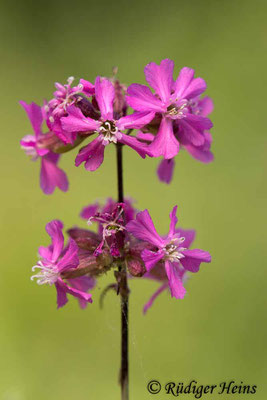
[112,225]
[171,249]
[129,211]
[55,260]
[65,96]
[111,219]
[202,107]
[172,102]
[51,176]
[108,128]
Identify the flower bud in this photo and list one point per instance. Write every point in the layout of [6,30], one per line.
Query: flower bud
[84,238]
[53,143]
[136,267]
[119,104]
[87,108]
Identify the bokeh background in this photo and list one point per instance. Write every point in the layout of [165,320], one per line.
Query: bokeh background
[218,332]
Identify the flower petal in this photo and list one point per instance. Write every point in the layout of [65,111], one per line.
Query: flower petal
[70,258]
[143,228]
[204,156]
[89,211]
[77,122]
[165,143]
[79,294]
[35,116]
[54,230]
[188,234]
[136,120]
[202,153]
[92,155]
[191,131]
[148,137]
[61,295]
[142,99]
[165,170]
[51,176]
[186,75]
[151,258]
[45,252]
[173,222]
[131,141]
[186,86]
[88,87]
[201,123]
[154,296]
[193,258]
[195,88]
[206,106]
[83,284]
[175,282]
[159,77]
[105,93]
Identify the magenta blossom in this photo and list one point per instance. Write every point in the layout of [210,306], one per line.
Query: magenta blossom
[56,260]
[129,211]
[171,250]
[158,273]
[51,176]
[65,96]
[201,107]
[111,219]
[112,229]
[201,153]
[172,103]
[108,128]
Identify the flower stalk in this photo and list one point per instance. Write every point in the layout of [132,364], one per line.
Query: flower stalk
[124,295]
[169,116]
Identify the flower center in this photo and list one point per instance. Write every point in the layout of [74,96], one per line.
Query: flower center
[112,228]
[109,131]
[173,250]
[178,110]
[48,274]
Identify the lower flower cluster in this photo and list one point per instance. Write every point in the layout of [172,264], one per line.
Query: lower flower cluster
[124,236]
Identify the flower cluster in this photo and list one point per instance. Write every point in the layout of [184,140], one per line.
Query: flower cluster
[123,235]
[173,115]
[170,116]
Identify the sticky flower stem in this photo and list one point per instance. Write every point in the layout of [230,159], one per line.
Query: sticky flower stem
[75,273]
[124,295]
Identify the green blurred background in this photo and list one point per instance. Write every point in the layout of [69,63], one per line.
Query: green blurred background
[218,331]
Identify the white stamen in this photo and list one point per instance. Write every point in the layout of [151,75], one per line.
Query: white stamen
[109,132]
[173,250]
[70,80]
[48,274]
[179,111]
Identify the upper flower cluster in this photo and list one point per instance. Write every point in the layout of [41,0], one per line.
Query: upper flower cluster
[123,235]
[180,114]
[173,115]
